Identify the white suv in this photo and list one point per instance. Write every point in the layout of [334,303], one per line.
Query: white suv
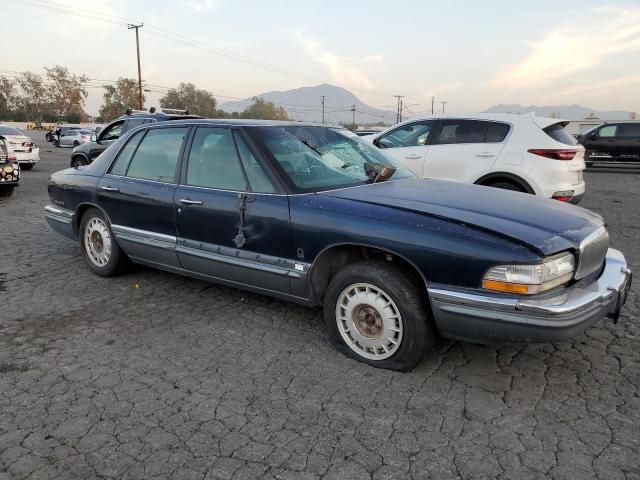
[516,152]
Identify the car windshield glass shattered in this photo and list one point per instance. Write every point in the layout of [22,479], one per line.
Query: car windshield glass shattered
[321,158]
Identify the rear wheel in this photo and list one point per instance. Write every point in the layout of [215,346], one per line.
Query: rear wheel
[76,143]
[506,185]
[99,247]
[26,166]
[375,313]
[6,191]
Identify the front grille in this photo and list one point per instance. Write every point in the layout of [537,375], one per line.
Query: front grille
[593,249]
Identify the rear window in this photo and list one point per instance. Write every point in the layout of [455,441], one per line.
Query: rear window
[9,131]
[559,134]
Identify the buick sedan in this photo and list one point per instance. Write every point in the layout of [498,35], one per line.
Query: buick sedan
[315,215]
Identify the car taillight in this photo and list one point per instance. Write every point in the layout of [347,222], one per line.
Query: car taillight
[12,157]
[563,196]
[556,154]
[84,137]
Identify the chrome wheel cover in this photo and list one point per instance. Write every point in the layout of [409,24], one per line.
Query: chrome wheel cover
[97,242]
[369,321]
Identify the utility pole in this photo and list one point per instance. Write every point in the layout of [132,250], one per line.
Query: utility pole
[443,104]
[353,111]
[323,97]
[130,26]
[433,101]
[401,108]
[398,114]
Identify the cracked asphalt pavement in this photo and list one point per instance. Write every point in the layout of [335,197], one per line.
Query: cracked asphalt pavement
[152,375]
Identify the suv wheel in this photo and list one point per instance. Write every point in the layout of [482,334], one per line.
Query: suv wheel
[375,314]
[26,166]
[99,247]
[78,161]
[6,191]
[506,185]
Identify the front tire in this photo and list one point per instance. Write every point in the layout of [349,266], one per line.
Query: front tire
[6,191]
[78,161]
[375,314]
[99,246]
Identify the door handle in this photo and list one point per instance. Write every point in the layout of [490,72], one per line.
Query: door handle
[413,157]
[110,189]
[485,154]
[186,201]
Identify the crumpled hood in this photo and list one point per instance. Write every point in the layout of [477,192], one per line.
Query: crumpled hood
[548,226]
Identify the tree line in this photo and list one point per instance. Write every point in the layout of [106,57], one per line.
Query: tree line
[55,95]
[59,95]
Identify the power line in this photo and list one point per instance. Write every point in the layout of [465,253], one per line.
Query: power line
[158,31]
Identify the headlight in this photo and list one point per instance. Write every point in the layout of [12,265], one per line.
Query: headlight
[530,279]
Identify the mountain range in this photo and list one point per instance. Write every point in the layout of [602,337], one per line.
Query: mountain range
[305,104]
[568,112]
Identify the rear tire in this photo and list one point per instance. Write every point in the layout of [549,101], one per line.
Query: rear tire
[506,185]
[76,143]
[99,246]
[27,166]
[376,314]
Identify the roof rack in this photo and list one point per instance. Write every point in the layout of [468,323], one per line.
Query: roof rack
[175,111]
[131,111]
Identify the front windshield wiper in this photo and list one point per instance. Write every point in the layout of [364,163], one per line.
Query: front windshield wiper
[305,142]
[378,171]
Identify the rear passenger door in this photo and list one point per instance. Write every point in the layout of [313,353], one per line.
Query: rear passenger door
[629,138]
[464,150]
[232,223]
[137,193]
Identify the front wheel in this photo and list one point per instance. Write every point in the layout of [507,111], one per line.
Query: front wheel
[6,191]
[375,313]
[99,247]
[78,161]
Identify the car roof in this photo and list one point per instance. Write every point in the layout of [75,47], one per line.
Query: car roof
[243,122]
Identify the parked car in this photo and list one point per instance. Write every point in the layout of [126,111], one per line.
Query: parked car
[85,153]
[27,152]
[514,152]
[620,140]
[73,138]
[315,215]
[9,169]
[53,134]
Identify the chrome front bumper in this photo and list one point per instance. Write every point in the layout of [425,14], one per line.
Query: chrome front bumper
[488,318]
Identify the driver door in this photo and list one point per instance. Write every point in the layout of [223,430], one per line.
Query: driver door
[408,144]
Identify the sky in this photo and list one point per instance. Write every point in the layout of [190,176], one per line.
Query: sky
[470,54]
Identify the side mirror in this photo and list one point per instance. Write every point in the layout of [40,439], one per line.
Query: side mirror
[93,138]
[593,136]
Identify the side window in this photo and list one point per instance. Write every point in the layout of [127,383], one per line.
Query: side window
[119,167]
[133,123]
[608,131]
[461,131]
[157,155]
[496,132]
[411,135]
[213,161]
[112,132]
[629,130]
[256,175]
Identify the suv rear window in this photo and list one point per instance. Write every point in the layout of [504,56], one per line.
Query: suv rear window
[559,134]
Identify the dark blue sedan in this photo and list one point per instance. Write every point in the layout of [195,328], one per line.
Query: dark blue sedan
[314,215]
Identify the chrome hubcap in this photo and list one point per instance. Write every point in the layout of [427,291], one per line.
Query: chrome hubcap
[97,242]
[369,321]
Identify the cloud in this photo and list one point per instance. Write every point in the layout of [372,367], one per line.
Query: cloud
[569,49]
[343,70]
[200,5]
